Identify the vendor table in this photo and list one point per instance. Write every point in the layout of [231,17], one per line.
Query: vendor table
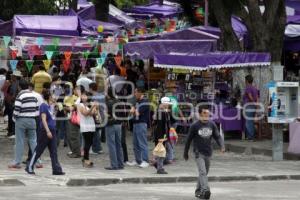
[230,119]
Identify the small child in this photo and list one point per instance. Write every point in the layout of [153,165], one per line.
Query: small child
[201,133]
[161,131]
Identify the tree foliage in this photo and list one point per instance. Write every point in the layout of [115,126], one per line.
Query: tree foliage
[8,8]
[129,3]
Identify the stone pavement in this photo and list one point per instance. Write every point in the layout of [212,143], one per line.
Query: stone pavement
[225,167]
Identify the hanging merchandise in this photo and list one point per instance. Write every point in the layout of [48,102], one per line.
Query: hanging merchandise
[29,65]
[23,41]
[100,29]
[68,55]
[13,64]
[91,41]
[110,48]
[83,62]
[6,40]
[47,64]
[74,41]
[66,64]
[100,62]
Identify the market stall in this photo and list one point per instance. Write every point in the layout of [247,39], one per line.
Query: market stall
[202,82]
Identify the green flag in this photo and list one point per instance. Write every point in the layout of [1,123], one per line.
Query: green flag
[29,64]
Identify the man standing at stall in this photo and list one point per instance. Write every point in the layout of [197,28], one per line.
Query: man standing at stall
[250,98]
[201,133]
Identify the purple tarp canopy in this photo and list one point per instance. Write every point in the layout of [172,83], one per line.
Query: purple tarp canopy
[119,17]
[212,60]
[189,34]
[116,16]
[292,7]
[239,28]
[147,49]
[58,25]
[157,10]
[92,24]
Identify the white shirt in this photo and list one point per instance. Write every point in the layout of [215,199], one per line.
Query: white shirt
[2,81]
[87,123]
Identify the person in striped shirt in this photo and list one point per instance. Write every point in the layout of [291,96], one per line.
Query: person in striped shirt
[25,112]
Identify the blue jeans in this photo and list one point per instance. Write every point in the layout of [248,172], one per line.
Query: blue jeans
[61,126]
[250,128]
[96,141]
[140,143]
[170,151]
[114,144]
[22,126]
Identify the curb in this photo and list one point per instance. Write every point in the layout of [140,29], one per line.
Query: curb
[256,151]
[11,182]
[159,180]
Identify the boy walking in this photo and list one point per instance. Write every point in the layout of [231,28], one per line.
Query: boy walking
[201,133]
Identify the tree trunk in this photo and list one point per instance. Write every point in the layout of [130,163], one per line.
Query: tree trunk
[229,41]
[102,9]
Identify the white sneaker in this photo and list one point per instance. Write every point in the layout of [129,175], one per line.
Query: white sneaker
[144,164]
[93,153]
[12,137]
[131,164]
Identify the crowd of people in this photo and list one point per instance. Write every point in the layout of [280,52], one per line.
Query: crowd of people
[84,107]
[77,108]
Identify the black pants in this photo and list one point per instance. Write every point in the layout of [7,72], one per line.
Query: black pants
[123,141]
[42,143]
[88,141]
[9,110]
[73,138]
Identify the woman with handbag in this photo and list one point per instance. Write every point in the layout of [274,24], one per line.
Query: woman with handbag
[161,133]
[73,135]
[87,127]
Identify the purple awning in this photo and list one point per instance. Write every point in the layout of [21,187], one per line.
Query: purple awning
[147,49]
[212,60]
[157,10]
[189,34]
[58,25]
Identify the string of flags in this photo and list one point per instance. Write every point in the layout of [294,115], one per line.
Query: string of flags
[35,50]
